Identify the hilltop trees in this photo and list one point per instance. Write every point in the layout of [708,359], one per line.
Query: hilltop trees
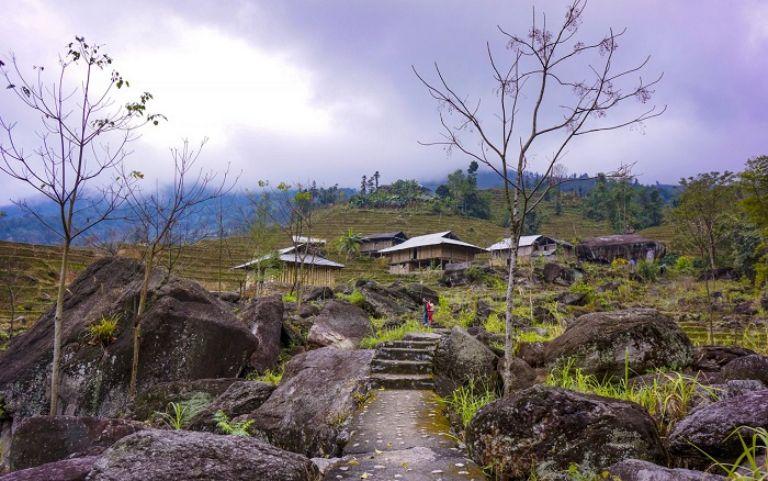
[552,89]
[462,196]
[624,203]
[82,140]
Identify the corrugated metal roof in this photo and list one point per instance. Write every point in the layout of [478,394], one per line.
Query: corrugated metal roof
[429,240]
[617,239]
[506,243]
[384,235]
[300,239]
[293,258]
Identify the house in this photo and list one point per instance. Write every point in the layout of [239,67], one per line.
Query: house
[528,247]
[431,250]
[371,244]
[626,246]
[303,262]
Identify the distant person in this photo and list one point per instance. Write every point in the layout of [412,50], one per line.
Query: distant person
[430,312]
[425,312]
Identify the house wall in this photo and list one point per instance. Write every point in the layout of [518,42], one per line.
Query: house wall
[376,245]
[406,261]
[310,276]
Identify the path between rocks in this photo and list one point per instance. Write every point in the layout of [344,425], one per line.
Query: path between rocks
[403,435]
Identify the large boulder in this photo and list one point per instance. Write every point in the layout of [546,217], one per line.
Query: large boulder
[74,469]
[637,470]
[43,439]
[545,430]
[603,343]
[155,455]
[187,334]
[710,428]
[319,294]
[341,325]
[156,398]
[461,358]
[264,317]
[713,358]
[753,367]
[242,397]
[385,302]
[309,410]
[416,292]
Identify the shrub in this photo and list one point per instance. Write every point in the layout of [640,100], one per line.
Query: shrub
[684,265]
[494,324]
[290,297]
[178,415]
[270,376]
[619,263]
[104,331]
[355,298]
[648,270]
[752,464]
[232,428]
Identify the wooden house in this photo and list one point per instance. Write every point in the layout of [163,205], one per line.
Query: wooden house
[303,262]
[529,246]
[627,246]
[431,250]
[371,244]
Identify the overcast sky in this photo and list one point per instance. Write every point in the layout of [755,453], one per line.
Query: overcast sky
[300,90]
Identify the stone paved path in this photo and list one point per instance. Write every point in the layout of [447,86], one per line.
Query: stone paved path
[403,435]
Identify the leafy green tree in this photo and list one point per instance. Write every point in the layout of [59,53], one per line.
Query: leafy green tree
[705,213]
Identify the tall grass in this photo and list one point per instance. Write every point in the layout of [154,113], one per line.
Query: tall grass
[752,463]
[467,400]
[668,397]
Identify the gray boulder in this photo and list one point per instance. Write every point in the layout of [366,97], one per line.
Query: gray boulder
[187,334]
[242,397]
[713,358]
[711,428]
[461,358]
[637,470]
[39,440]
[155,455]
[74,469]
[341,325]
[602,343]
[264,317]
[523,375]
[319,294]
[545,430]
[753,367]
[309,411]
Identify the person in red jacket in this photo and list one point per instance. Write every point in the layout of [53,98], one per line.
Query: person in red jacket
[430,312]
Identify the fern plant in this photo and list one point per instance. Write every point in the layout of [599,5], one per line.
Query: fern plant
[232,428]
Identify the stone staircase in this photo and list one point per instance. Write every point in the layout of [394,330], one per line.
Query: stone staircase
[406,364]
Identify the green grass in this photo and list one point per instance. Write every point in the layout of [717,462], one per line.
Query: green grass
[270,376]
[467,400]
[382,335]
[667,400]
[751,464]
[103,331]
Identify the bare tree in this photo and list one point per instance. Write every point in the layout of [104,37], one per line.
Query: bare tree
[156,215]
[12,274]
[83,137]
[551,90]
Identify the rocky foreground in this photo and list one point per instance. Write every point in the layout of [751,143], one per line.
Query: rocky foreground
[340,412]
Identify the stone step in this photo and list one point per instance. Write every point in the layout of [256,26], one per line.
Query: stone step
[410,344]
[403,381]
[404,354]
[433,336]
[389,366]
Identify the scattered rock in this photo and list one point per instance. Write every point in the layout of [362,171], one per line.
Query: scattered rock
[713,358]
[746,308]
[557,274]
[385,302]
[523,375]
[543,315]
[187,334]
[308,310]
[75,469]
[264,317]
[753,366]
[241,397]
[319,294]
[309,410]
[532,353]
[455,275]
[572,298]
[154,455]
[233,297]
[603,342]
[460,358]
[482,311]
[545,430]
[416,292]
[710,428]
[341,325]
[637,470]
[39,440]
[157,398]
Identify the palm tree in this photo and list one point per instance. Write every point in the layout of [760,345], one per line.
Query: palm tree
[348,244]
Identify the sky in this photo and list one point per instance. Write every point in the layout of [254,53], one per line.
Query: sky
[323,90]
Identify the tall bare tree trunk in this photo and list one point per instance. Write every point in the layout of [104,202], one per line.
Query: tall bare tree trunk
[148,266]
[57,329]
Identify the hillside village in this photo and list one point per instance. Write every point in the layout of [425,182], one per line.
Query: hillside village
[509,320]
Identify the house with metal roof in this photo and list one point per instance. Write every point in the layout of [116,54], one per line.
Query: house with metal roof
[627,246]
[529,246]
[432,250]
[287,265]
[371,244]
